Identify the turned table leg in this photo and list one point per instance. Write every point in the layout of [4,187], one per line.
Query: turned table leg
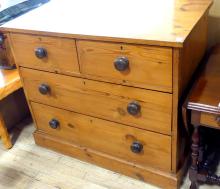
[4,134]
[195,157]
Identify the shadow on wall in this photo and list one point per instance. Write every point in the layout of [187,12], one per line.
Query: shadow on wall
[214,30]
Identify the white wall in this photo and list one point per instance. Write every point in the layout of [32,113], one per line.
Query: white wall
[214,23]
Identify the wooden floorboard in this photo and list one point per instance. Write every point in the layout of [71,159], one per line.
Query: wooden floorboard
[28,166]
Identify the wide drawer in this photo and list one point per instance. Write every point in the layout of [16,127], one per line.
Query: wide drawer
[134,65]
[52,54]
[103,100]
[131,144]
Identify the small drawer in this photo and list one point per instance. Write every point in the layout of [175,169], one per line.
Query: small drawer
[210,120]
[130,144]
[51,54]
[140,108]
[133,65]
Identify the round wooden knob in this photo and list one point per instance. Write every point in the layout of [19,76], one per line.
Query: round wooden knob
[44,89]
[40,52]
[121,63]
[136,147]
[54,124]
[134,108]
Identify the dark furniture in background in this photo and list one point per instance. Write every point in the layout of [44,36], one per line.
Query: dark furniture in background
[204,104]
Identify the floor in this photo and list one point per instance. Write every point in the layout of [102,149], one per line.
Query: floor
[28,166]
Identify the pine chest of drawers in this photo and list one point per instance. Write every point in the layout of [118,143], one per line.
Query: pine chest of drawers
[104,86]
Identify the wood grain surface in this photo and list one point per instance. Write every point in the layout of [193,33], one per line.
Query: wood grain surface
[110,138]
[205,94]
[158,22]
[185,62]
[61,53]
[146,174]
[9,82]
[150,67]
[4,133]
[192,53]
[102,100]
[170,34]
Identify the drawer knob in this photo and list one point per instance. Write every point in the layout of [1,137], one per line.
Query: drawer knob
[134,108]
[136,147]
[44,89]
[54,124]
[121,63]
[40,52]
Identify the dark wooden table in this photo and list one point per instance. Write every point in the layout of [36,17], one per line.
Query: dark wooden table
[204,104]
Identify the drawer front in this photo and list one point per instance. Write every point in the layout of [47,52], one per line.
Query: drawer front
[148,109]
[210,120]
[130,144]
[45,53]
[142,66]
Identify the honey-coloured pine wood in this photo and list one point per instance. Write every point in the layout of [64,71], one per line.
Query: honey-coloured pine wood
[111,138]
[179,26]
[185,62]
[4,134]
[154,22]
[99,99]
[9,82]
[60,53]
[146,174]
[193,52]
[42,168]
[149,67]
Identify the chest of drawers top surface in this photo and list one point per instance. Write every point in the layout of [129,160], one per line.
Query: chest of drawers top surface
[158,22]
